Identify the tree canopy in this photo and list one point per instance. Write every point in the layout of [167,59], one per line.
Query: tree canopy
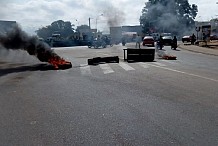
[175,16]
[61,27]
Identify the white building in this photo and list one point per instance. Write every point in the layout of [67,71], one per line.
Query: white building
[214,27]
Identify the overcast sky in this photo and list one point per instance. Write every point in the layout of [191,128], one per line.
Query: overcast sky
[32,14]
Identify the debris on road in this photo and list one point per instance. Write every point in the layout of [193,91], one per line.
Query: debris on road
[97,60]
[166,56]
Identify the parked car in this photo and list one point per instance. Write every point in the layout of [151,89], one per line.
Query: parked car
[148,41]
[213,37]
[186,39]
[167,40]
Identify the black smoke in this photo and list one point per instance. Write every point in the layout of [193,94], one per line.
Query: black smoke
[16,39]
[114,16]
[172,16]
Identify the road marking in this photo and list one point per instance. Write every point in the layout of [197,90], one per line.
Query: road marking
[104,54]
[144,65]
[85,69]
[157,63]
[125,66]
[169,61]
[190,74]
[106,68]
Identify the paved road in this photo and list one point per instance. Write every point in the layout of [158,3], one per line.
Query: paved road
[156,103]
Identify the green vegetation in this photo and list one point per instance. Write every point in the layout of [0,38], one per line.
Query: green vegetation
[57,27]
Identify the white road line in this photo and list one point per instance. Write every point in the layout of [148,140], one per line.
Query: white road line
[104,54]
[144,65]
[190,74]
[106,68]
[85,69]
[169,61]
[157,63]
[125,66]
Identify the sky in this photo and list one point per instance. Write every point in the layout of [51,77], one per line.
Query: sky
[34,14]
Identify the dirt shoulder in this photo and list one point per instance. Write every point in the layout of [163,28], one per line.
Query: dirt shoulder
[211,50]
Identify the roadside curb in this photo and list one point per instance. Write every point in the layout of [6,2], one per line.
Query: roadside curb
[198,51]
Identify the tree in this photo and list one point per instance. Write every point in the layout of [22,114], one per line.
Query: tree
[63,28]
[173,16]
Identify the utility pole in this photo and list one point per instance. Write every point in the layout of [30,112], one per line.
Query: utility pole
[97,21]
[89,23]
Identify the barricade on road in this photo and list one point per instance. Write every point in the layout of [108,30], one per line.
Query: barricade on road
[141,55]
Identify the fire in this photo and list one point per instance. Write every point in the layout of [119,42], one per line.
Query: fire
[59,63]
[18,39]
[54,59]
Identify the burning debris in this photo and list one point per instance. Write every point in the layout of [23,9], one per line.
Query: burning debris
[18,39]
[164,55]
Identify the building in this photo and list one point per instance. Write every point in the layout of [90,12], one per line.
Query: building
[214,26]
[116,34]
[6,25]
[201,24]
[128,32]
[137,29]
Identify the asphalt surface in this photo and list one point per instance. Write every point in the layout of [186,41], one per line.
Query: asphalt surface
[165,102]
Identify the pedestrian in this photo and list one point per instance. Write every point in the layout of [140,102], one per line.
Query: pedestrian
[174,43]
[193,39]
[160,42]
[138,41]
[204,37]
[123,41]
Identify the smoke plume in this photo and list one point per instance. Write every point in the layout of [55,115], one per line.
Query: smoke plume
[114,16]
[17,39]
[168,19]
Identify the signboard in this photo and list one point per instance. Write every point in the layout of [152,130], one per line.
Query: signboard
[206,31]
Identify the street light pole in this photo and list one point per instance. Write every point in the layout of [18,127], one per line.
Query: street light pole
[89,23]
[97,22]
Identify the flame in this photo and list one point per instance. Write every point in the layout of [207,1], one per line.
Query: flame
[57,61]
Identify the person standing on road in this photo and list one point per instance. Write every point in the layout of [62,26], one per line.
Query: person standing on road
[160,42]
[123,41]
[174,43]
[193,39]
[138,41]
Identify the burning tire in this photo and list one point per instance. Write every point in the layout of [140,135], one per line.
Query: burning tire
[67,65]
[58,62]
